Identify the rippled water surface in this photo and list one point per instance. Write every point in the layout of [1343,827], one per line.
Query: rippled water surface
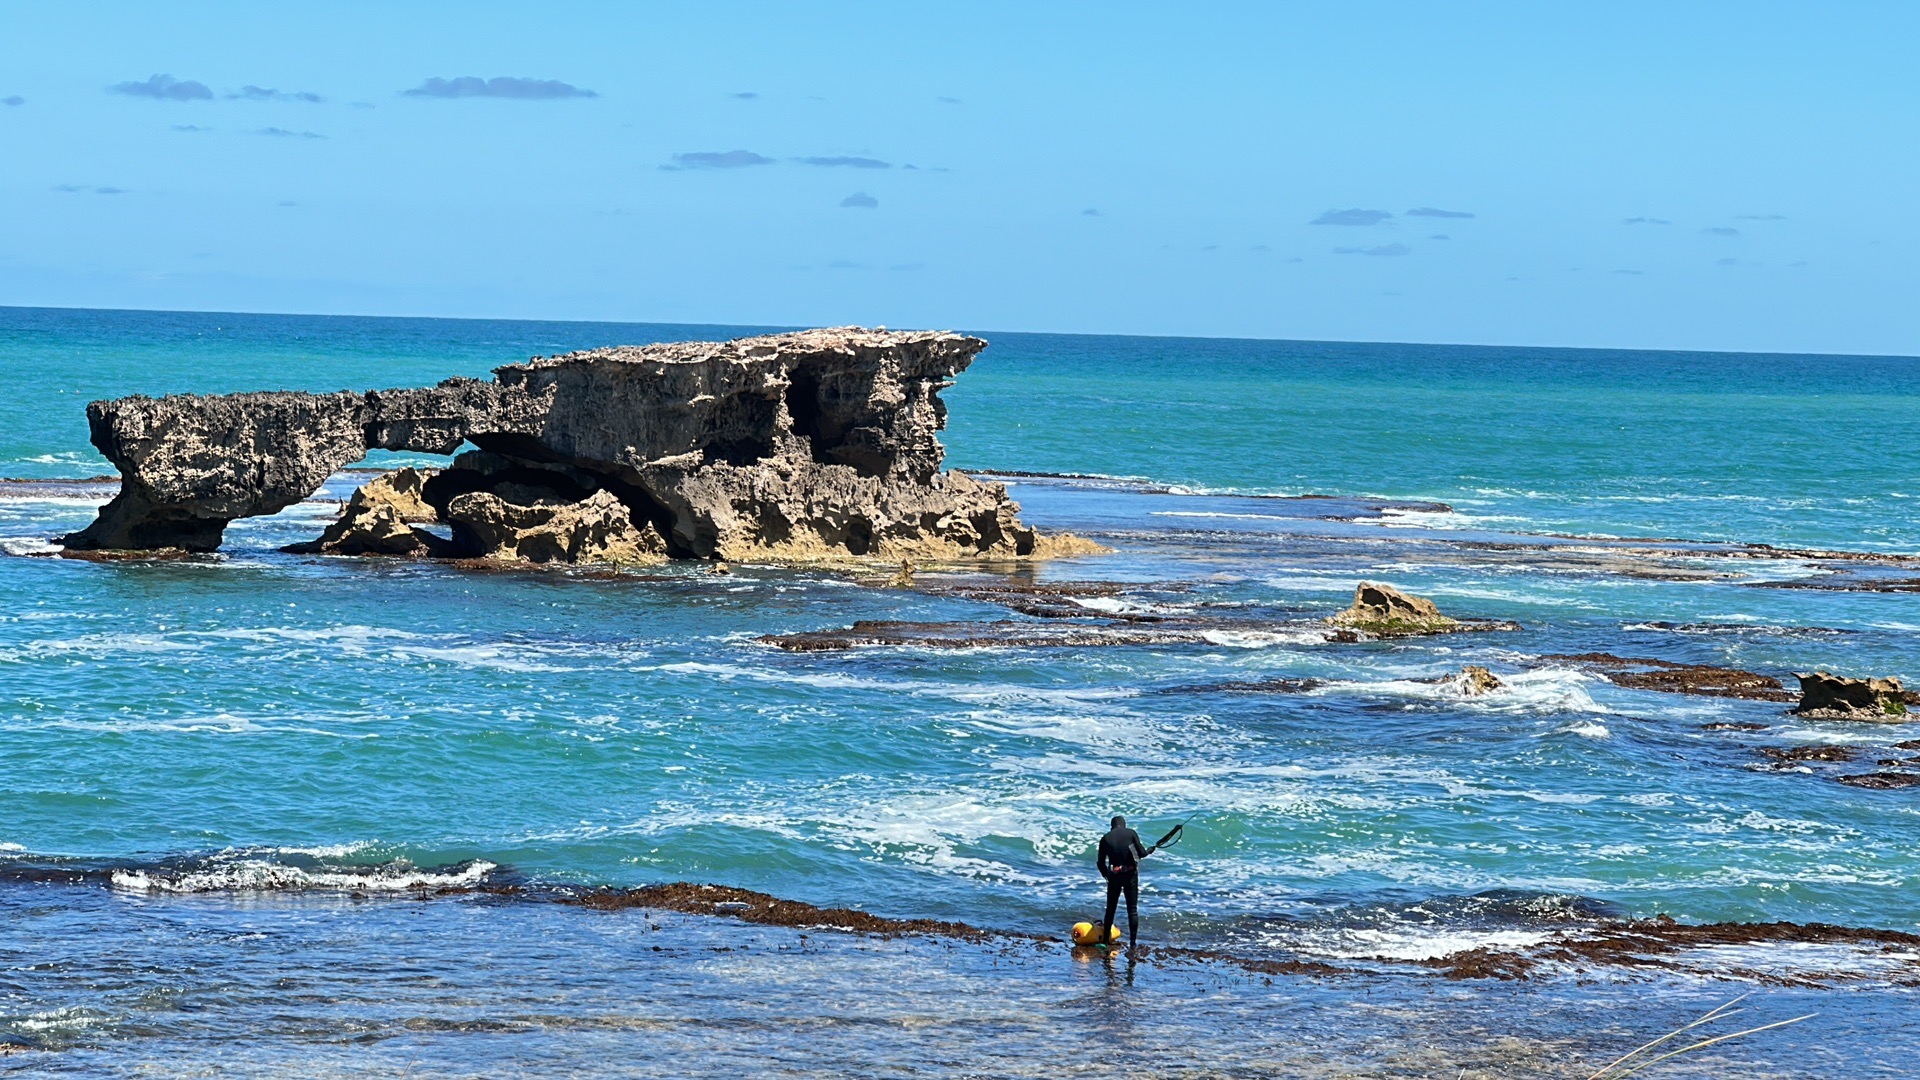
[227,776]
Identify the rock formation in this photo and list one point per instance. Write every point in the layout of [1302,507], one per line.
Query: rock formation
[378,519]
[1475,680]
[598,528]
[1387,612]
[1835,697]
[816,445]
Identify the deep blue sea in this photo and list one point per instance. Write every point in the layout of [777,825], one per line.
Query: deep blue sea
[250,765]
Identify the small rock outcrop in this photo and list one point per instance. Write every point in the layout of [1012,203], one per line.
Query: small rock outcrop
[1474,681]
[597,529]
[1835,697]
[810,446]
[378,519]
[404,490]
[1385,611]
[1883,781]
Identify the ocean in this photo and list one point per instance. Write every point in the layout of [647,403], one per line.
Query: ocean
[269,813]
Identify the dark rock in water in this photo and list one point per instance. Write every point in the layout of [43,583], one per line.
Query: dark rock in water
[811,446]
[1263,686]
[1733,628]
[1704,681]
[756,907]
[142,555]
[1909,744]
[1730,725]
[1835,697]
[975,635]
[1845,583]
[1808,753]
[1051,599]
[1883,781]
[1047,633]
[1642,673]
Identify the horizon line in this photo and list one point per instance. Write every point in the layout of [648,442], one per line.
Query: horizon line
[785,327]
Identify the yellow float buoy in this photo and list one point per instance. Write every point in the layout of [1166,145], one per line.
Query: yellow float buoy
[1085,933]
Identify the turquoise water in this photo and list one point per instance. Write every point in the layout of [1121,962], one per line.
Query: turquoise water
[264,722]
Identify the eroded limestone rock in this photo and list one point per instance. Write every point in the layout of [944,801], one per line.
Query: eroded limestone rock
[377,519]
[1474,681]
[597,529]
[1385,611]
[818,445]
[402,489]
[1835,697]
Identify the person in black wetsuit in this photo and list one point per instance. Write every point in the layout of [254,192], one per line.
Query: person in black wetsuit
[1119,862]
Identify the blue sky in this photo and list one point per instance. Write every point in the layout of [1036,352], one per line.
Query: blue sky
[1736,176]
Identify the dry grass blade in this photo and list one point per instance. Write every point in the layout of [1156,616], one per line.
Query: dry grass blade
[1707,1042]
[1710,1042]
[1716,1013]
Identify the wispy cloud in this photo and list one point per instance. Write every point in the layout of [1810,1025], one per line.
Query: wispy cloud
[267,93]
[190,127]
[1760,217]
[845,162]
[14,99]
[717,159]
[504,86]
[164,88]
[1645,221]
[745,95]
[1383,249]
[1351,217]
[87,189]
[1428,211]
[860,200]
[283,133]
[1090,212]
[1720,230]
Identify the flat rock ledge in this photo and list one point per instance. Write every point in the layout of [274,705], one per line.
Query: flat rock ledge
[816,446]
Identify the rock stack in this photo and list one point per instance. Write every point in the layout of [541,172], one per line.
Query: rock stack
[812,446]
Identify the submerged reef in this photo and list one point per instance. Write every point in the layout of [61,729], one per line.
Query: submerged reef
[809,446]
